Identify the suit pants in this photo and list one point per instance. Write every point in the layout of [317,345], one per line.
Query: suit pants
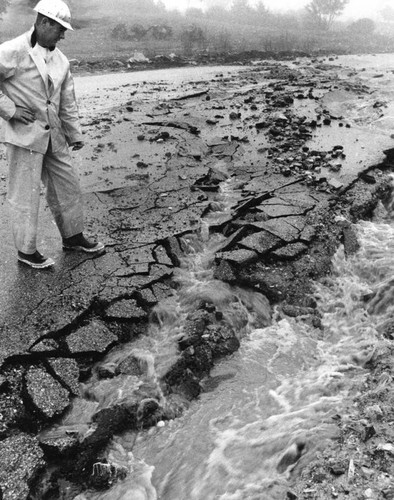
[26,171]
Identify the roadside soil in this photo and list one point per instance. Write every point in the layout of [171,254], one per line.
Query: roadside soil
[156,153]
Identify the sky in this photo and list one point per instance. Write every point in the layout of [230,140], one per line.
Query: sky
[355,8]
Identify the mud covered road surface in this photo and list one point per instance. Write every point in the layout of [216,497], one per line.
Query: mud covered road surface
[302,166]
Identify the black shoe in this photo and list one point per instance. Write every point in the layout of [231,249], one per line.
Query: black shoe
[79,242]
[35,260]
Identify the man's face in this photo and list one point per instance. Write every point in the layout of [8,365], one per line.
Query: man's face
[50,32]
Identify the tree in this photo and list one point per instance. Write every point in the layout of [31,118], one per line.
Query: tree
[362,27]
[192,37]
[241,11]
[387,13]
[194,13]
[161,31]
[262,14]
[160,6]
[322,13]
[261,9]
[3,6]
[217,13]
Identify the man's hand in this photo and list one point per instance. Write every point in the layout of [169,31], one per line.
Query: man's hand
[24,115]
[77,145]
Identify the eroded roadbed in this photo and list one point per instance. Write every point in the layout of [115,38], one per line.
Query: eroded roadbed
[152,169]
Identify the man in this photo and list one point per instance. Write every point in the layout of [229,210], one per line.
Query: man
[37,102]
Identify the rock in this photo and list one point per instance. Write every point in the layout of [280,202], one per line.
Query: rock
[46,394]
[212,180]
[370,494]
[184,383]
[290,252]
[161,291]
[198,93]
[45,346]
[117,64]
[350,240]
[290,456]
[59,446]
[126,309]
[137,411]
[308,234]
[335,184]
[261,242]
[68,371]
[176,124]
[389,153]
[106,370]
[295,311]
[105,474]
[95,337]
[21,461]
[13,413]
[161,137]
[239,257]
[261,125]
[338,467]
[132,365]
[142,164]
[234,115]
[279,228]
[222,340]
[386,328]
[389,447]
[138,57]
[224,272]
[273,283]
[369,432]
[162,256]
[175,251]
[281,210]
[194,328]
[227,149]
[147,297]
[368,178]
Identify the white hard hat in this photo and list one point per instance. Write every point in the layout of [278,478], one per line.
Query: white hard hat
[56,10]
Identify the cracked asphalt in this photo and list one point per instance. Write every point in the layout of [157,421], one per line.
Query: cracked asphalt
[142,155]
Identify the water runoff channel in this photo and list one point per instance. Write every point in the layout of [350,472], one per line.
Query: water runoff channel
[271,409]
[268,408]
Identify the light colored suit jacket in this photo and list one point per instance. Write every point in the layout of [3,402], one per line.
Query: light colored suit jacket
[24,82]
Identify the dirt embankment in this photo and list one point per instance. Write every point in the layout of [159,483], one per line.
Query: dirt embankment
[139,62]
[153,166]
